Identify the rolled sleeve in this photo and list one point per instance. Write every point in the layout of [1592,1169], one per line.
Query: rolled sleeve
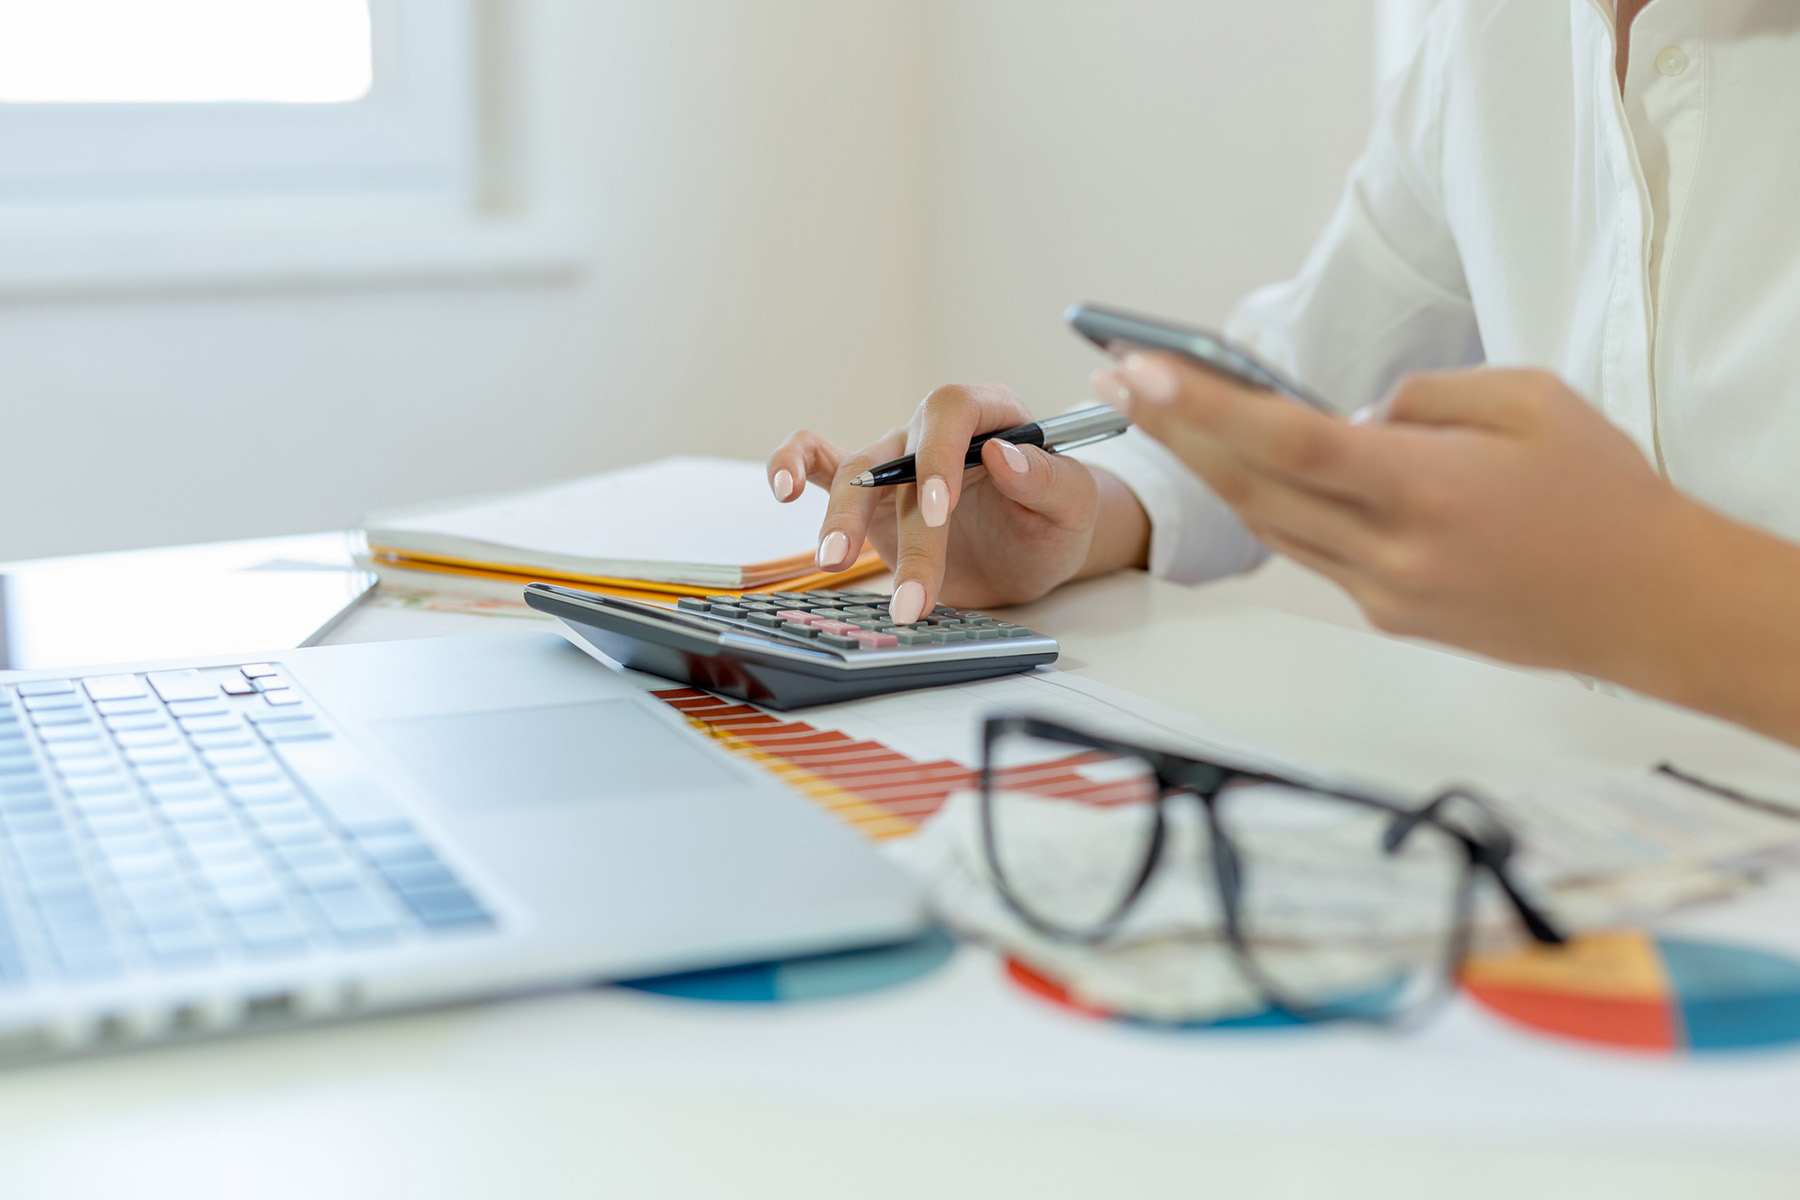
[1194,537]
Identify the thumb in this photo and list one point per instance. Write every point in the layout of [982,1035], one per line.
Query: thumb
[1056,487]
[1509,401]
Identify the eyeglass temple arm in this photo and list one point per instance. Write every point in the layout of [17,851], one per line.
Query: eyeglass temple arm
[1491,853]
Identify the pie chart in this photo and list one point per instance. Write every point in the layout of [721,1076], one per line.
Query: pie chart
[1637,991]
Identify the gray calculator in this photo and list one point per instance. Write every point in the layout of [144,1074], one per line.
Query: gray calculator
[791,649]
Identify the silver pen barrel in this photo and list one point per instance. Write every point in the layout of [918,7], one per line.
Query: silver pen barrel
[1083,425]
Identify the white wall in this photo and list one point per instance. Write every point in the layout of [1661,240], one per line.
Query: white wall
[1163,155]
[790,212]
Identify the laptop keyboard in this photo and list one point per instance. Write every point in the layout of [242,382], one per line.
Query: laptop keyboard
[177,819]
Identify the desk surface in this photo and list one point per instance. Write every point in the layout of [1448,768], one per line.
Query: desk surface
[957,1085]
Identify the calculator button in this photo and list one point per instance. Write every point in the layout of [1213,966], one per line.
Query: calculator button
[726,610]
[948,635]
[692,604]
[721,599]
[795,616]
[907,638]
[841,642]
[766,620]
[1015,631]
[877,641]
[826,594]
[805,631]
[836,627]
[983,635]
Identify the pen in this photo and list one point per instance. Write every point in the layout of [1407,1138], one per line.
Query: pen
[1055,434]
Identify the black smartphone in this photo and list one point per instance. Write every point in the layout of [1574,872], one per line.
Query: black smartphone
[1112,331]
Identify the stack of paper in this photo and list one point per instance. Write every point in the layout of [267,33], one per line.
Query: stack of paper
[680,525]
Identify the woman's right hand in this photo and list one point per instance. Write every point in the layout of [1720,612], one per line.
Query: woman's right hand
[1002,533]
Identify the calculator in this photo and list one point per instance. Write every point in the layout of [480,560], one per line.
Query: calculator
[791,649]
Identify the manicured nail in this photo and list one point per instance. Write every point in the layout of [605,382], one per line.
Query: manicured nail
[934,503]
[1149,380]
[1015,457]
[832,550]
[908,603]
[782,484]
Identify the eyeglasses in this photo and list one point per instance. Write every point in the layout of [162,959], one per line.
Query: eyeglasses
[1332,904]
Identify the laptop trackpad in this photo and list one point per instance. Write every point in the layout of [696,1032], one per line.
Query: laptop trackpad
[513,758]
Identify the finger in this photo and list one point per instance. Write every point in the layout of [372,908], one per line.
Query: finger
[948,418]
[945,422]
[1504,400]
[803,457]
[847,514]
[1346,532]
[1269,432]
[1059,488]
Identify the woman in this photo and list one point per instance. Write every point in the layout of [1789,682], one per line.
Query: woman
[1597,203]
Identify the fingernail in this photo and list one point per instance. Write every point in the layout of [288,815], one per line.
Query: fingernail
[832,550]
[1015,457]
[782,484]
[1373,414]
[908,603]
[934,503]
[1149,380]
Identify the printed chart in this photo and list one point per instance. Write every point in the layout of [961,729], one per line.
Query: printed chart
[1658,994]
[1626,990]
[874,770]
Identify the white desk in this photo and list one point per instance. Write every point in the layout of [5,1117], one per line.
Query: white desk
[957,1085]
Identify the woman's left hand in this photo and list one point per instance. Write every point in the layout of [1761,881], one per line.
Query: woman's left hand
[1490,509]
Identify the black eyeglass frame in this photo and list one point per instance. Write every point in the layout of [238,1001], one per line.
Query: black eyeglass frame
[1487,849]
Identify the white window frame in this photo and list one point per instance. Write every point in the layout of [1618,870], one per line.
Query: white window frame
[402,185]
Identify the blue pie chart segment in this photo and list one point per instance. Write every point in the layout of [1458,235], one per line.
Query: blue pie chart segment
[817,977]
[1732,997]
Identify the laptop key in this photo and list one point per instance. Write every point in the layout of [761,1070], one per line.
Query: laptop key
[128,708]
[419,876]
[115,687]
[395,848]
[446,909]
[54,700]
[174,686]
[353,913]
[295,731]
[46,687]
[269,932]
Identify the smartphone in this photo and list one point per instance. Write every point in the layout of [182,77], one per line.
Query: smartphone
[1112,331]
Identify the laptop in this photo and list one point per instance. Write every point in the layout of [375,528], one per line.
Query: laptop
[202,845]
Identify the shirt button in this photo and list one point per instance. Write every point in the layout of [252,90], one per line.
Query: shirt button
[1671,61]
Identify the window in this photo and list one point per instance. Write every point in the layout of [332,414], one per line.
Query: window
[184,51]
[110,101]
[152,143]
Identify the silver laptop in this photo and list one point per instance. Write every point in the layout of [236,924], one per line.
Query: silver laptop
[197,846]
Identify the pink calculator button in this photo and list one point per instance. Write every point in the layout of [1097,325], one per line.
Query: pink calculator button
[797,616]
[877,641]
[830,626]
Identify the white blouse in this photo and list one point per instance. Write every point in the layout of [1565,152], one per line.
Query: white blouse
[1512,208]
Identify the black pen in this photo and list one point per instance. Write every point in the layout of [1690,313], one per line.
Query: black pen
[1055,434]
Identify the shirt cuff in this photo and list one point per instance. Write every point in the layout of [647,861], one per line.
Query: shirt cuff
[1193,535]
